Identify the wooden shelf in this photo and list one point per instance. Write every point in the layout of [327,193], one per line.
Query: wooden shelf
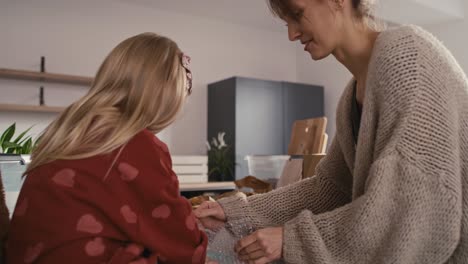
[31,108]
[46,77]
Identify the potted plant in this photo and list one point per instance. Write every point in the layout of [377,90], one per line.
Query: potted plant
[220,160]
[11,147]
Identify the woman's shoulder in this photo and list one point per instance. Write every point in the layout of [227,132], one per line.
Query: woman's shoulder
[405,54]
[405,35]
[405,30]
[408,42]
[410,51]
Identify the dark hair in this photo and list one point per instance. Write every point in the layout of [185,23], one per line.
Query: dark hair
[284,9]
[281,8]
[356,4]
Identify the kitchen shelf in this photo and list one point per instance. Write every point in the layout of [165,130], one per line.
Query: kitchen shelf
[45,77]
[209,186]
[30,108]
[40,77]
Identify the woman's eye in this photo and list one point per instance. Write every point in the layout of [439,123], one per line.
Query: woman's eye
[298,14]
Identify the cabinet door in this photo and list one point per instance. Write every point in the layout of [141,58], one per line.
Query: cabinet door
[221,109]
[221,113]
[259,120]
[300,101]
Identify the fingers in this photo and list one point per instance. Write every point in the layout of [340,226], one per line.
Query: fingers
[202,208]
[250,248]
[201,213]
[262,246]
[210,209]
[252,255]
[251,252]
[205,205]
[211,223]
[244,242]
[262,260]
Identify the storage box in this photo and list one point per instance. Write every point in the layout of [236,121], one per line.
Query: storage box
[266,168]
[191,169]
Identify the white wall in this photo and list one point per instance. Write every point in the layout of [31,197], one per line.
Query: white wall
[454,36]
[451,7]
[75,36]
[421,12]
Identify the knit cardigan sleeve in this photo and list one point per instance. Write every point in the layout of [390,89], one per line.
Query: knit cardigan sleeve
[329,189]
[404,217]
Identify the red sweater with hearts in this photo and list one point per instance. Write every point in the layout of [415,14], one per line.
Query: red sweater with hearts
[68,213]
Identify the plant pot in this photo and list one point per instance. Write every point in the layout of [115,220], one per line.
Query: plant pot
[12,167]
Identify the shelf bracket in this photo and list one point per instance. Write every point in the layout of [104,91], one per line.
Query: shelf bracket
[41,89]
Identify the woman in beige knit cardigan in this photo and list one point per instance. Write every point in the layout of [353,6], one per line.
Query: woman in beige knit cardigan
[393,187]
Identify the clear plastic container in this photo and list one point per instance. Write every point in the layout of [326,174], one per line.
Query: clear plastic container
[267,168]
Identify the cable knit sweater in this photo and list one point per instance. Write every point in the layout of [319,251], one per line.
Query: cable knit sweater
[401,194]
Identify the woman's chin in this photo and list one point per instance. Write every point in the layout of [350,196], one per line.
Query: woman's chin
[317,53]
[318,56]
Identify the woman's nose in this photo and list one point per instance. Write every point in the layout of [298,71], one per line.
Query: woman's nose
[293,33]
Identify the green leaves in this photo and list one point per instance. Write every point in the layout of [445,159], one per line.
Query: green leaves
[8,134]
[22,144]
[220,157]
[21,135]
[27,147]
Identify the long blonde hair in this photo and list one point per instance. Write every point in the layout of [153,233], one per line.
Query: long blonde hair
[141,84]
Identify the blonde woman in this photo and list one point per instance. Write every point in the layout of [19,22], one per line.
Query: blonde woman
[100,188]
[393,187]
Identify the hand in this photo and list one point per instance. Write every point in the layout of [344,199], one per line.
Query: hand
[211,215]
[262,246]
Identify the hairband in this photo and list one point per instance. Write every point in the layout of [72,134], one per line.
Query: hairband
[186,64]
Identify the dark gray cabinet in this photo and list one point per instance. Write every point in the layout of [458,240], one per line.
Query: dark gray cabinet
[257,115]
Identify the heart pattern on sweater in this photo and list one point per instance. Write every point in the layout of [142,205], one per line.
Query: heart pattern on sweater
[190,222]
[95,247]
[128,172]
[65,177]
[128,214]
[88,224]
[134,249]
[161,212]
